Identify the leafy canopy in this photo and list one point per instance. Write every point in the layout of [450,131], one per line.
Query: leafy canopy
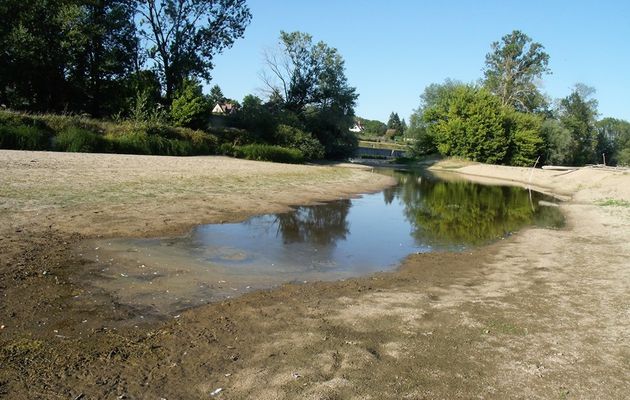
[512,68]
[185,35]
[307,82]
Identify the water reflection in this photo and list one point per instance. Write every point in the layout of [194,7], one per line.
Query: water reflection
[461,212]
[321,225]
[330,241]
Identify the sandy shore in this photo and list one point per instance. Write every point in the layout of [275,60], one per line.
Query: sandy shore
[542,315]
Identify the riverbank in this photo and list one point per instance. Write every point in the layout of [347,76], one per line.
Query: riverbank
[543,314]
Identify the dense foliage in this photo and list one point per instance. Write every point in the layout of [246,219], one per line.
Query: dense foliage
[143,63]
[308,90]
[80,134]
[507,120]
[96,57]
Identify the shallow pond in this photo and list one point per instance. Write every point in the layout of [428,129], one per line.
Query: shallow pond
[330,241]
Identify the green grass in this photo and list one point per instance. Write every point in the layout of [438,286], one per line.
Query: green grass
[613,203]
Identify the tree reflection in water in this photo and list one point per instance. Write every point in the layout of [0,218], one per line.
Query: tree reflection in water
[443,213]
[460,212]
[322,224]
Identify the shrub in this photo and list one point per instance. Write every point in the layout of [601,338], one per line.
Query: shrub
[75,139]
[190,108]
[310,147]
[227,149]
[23,137]
[237,137]
[265,152]
[81,134]
[133,142]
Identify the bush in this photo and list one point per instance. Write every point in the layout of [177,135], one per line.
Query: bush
[80,134]
[75,139]
[468,122]
[525,138]
[190,108]
[265,152]
[310,147]
[23,137]
[140,142]
[235,136]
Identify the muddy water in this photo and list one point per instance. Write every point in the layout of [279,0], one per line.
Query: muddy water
[330,241]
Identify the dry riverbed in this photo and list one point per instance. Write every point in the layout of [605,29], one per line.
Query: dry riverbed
[544,314]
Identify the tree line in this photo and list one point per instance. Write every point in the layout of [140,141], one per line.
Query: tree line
[146,60]
[97,56]
[506,119]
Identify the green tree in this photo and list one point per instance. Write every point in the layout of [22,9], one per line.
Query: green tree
[309,81]
[66,54]
[614,140]
[394,123]
[558,143]
[373,127]
[578,114]
[185,35]
[189,107]
[430,97]
[512,69]
[255,117]
[467,121]
[525,140]
[100,38]
[32,59]
[216,96]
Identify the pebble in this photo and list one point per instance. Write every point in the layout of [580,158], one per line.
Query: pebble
[216,391]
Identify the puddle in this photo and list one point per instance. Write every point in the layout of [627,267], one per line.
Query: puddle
[331,241]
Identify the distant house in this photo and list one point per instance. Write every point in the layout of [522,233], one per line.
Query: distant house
[357,127]
[224,108]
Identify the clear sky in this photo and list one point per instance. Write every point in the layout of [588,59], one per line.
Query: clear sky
[394,49]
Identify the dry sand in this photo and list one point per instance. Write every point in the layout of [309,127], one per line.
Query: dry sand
[542,315]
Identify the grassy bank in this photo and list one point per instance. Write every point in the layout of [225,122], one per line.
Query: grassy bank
[79,134]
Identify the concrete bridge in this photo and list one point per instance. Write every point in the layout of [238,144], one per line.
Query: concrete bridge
[369,152]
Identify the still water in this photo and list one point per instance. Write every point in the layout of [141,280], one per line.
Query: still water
[335,240]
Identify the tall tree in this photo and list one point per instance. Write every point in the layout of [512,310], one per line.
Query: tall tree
[216,96]
[32,59]
[512,69]
[614,140]
[430,97]
[578,114]
[394,123]
[310,81]
[468,122]
[183,36]
[100,36]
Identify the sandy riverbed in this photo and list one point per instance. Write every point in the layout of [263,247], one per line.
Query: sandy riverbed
[545,314]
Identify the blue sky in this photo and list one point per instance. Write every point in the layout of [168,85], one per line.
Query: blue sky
[394,49]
